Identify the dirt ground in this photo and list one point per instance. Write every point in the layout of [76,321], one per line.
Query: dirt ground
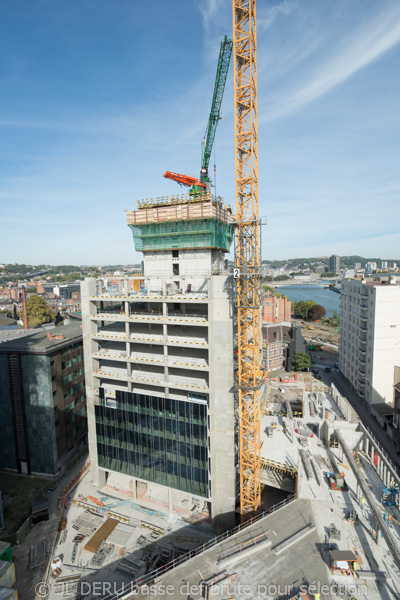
[318,333]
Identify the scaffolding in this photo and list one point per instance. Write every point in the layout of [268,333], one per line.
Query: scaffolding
[191,198]
[389,494]
[206,233]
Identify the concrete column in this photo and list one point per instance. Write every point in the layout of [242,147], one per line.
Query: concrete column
[372,456]
[134,489]
[101,478]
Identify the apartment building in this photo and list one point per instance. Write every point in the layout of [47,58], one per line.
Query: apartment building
[159,364]
[369,347]
[42,400]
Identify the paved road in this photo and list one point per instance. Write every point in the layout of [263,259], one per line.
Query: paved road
[363,412]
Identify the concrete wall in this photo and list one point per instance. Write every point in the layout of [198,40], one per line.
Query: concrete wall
[190,262]
[385,330]
[88,288]
[222,421]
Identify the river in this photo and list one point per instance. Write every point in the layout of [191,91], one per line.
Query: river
[323,296]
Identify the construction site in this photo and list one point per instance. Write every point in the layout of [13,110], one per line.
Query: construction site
[207,480]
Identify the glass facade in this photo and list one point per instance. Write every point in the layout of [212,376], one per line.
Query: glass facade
[156,439]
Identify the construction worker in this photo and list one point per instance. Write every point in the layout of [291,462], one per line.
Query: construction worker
[389,520]
[317,596]
[391,482]
[362,502]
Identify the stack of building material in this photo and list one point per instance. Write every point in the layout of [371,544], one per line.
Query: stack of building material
[101,535]
[122,535]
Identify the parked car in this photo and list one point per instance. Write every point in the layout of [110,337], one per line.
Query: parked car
[315,371]
[317,376]
[328,369]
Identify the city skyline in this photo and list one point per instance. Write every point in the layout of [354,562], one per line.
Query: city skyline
[97,105]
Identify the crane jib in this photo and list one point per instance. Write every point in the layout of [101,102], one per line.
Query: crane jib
[220,80]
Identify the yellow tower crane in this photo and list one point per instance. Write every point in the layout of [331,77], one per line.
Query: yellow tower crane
[247,254]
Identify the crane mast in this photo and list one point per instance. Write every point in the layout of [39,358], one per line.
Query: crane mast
[247,254]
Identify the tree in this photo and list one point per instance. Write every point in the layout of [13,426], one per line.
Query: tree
[302,308]
[268,288]
[38,311]
[301,361]
[316,312]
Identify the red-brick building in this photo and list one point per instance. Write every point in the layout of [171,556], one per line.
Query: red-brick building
[276,310]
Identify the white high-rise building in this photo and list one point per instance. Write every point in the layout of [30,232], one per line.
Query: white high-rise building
[159,364]
[370,336]
[384,264]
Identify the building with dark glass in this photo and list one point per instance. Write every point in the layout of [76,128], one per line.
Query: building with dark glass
[42,400]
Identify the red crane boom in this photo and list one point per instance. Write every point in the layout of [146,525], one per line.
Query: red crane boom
[184,179]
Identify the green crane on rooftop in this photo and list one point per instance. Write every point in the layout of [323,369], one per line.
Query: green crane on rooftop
[219,87]
[199,186]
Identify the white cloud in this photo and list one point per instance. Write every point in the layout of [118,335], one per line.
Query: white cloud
[266,15]
[351,53]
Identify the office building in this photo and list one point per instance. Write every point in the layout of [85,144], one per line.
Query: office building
[384,264]
[334,263]
[67,290]
[159,363]
[42,402]
[369,347]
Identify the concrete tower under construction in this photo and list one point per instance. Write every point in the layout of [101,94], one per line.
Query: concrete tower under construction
[159,363]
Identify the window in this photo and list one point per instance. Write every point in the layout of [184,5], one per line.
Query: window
[63,365]
[73,360]
[76,387]
[53,378]
[71,406]
[68,363]
[175,269]
[66,394]
[79,358]
[175,253]
[70,377]
[64,380]
[80,385]
[51,363]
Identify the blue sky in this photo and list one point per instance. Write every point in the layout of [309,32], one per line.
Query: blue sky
[98,99]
